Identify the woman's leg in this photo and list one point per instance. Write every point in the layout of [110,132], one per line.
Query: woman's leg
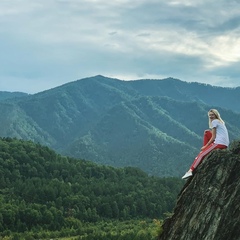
[206,136]
[202,154]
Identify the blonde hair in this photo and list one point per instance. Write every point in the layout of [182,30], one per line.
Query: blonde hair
[217,114]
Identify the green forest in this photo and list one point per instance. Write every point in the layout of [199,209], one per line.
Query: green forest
[46,195]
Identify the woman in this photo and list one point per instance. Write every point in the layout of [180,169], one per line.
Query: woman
[216,138]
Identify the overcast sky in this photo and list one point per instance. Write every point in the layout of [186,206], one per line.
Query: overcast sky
[46,43]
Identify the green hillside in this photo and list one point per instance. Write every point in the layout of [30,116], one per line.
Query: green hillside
[138,133]
[16,123]
[41,191]
[151,133]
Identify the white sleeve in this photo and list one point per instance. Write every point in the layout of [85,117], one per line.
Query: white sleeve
[214,123]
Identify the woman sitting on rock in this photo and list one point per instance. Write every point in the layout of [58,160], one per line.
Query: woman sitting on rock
[215,138]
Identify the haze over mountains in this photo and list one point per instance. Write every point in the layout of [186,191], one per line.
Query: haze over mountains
[155,125]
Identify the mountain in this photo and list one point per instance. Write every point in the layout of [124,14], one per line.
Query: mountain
[156,125]
[209,203]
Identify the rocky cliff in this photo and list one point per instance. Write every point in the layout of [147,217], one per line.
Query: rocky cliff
[208,207]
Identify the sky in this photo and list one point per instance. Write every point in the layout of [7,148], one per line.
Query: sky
[47,43]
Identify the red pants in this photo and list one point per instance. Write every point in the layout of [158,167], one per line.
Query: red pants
[206,137]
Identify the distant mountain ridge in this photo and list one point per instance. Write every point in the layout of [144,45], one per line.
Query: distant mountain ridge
[9,95]
[184,91]
[155,125]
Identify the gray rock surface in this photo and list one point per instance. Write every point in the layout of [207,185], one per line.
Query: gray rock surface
[208,207]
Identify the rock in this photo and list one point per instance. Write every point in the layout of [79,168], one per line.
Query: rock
[208,207]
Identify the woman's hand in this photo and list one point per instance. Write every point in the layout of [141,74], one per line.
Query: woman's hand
[203,148]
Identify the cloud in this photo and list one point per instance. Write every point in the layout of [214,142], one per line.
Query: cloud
[58,41]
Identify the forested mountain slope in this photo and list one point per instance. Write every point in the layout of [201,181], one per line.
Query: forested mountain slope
[155,125]
[16,123]
[41,190]
[145,133]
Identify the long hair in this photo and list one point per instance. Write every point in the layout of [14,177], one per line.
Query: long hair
[217,115]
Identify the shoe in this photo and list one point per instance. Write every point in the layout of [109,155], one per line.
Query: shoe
[187,175]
